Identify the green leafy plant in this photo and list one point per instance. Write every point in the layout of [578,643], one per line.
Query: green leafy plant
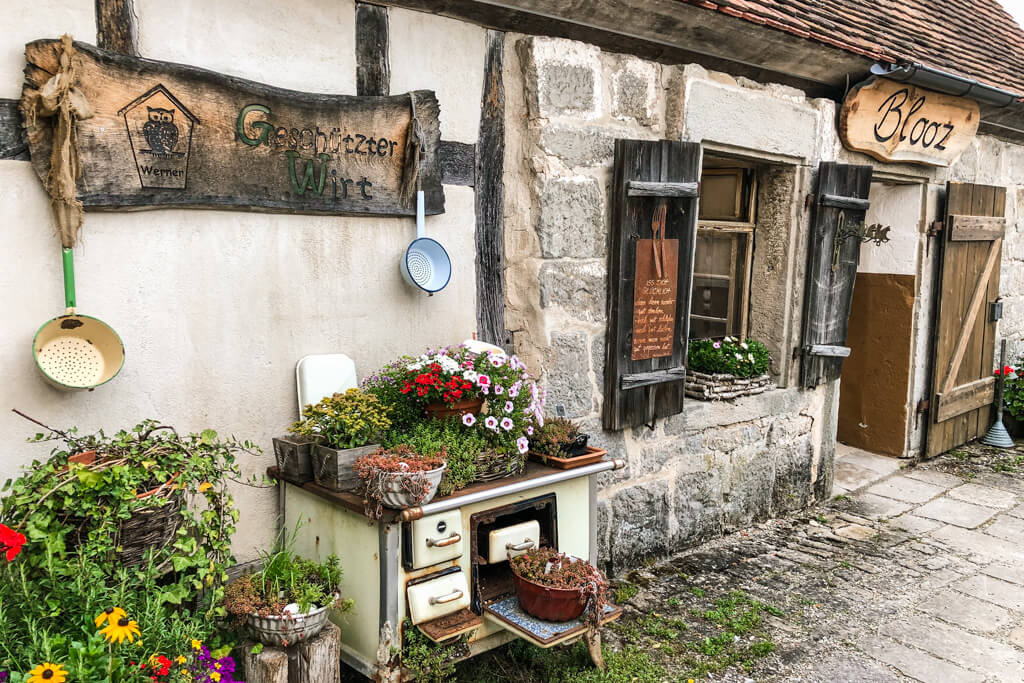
[729,356]
[286,578]
[450,440]
[557,437]
[347,420]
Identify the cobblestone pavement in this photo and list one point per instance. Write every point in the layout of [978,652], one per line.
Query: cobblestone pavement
[917,577]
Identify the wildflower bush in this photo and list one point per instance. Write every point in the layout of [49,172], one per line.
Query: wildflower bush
[1013,391]
[62,560]
[728,356]
[349,420]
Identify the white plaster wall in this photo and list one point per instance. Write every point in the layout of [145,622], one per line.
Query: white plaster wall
[448,54]
[27,21]
[216,307]
[899,207]
[303,45]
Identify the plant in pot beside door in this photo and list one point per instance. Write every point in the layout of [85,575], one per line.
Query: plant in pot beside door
[554,586]
[288,600]
[399,478]
[559,443]
[726,368]
[346,427]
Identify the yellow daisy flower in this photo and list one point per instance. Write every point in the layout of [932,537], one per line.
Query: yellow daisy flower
[121,630]
[214,676]
[196,644]
[111,615]
[47,673]
[181,659]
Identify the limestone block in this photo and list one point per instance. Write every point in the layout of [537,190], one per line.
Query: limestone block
[562,77]
[792,488]
[571,220]
[568,380]
[579,147]
[635,91]
[639,524]
[747,487]
[698,507]
[577,287]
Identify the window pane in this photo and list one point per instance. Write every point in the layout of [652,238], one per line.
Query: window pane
[719,194]
[719,278]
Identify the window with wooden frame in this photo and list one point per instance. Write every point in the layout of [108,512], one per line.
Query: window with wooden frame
[725,247]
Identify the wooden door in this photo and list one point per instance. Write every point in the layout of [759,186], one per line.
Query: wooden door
[832,257]
[963,386]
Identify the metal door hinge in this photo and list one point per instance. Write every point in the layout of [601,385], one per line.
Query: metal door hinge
[923,406]
[935,228]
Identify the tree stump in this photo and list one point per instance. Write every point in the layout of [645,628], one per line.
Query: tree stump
[269,666]
[317,660]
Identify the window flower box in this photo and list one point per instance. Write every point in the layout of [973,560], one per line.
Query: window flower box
[723,386]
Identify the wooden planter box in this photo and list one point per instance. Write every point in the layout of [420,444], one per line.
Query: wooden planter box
[292,455]
[332,467]
[720,387]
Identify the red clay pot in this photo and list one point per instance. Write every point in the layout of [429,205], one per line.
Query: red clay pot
[549,604]
[83,458]
[442,411]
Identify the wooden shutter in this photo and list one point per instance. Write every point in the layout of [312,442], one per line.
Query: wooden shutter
[840,201]
[648,173]
[963,387]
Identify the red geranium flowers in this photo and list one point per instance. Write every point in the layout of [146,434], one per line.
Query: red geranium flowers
[10,542]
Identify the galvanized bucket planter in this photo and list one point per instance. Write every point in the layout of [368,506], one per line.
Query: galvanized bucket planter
[287,630]
[332,467]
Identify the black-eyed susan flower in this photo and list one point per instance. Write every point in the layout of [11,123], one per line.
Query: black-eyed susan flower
[47,673]
[109,615]
[121,630]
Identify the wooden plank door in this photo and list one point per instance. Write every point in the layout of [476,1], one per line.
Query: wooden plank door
[963,387]
[840,203]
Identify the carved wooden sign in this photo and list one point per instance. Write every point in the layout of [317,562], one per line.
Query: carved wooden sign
[894,121]
[165,134]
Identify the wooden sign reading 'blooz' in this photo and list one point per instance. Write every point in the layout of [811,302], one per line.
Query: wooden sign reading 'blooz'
[894,121]
[164,134]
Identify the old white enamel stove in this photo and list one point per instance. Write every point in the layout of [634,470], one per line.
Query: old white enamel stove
[443,567]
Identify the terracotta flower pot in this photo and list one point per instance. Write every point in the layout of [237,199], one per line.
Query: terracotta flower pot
[442,411]
[549,604]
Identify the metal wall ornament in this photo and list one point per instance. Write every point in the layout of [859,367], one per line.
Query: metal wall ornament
[875,233]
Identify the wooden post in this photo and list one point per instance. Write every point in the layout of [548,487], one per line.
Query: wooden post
[270,665]
[490,204]
[317,660]
[115,27]
[373,71]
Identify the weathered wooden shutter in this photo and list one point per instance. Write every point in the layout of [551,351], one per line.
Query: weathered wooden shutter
[839,203]
[648,174]
[963,387]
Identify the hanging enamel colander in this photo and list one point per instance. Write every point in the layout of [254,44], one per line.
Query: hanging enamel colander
[76,351]
[425,264]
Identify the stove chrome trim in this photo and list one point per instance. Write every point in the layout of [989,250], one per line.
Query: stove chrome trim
[456,501]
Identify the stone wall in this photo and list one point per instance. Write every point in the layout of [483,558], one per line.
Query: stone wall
[717,466]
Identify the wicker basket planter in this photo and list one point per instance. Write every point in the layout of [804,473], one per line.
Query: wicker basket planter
[293,457]
[283,631]
[721,387]
[332,467]
[493,465]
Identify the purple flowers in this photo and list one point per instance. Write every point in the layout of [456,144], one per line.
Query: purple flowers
[509,406]
[491,423]
[529,430]
[4,676]
[507,423]
[498,389]
[469,419]
[523,444]
[204,666]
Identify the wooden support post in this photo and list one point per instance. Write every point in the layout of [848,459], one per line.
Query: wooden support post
[115,27]
[12,139]
[490,204]
[270,665]
[373,70]
[317,660]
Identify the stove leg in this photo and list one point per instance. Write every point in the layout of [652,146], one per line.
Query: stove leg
[594,646]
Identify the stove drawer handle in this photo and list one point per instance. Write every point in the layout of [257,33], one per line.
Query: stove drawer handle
[450,597]
[443,542]
[525,545]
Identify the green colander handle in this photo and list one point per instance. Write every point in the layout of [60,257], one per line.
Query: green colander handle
[69,280]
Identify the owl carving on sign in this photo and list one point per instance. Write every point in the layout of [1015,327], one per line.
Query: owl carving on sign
[160,130]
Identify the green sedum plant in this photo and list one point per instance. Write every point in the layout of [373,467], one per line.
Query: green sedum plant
[728,356]
[349,420]
[448,439]
[556,437]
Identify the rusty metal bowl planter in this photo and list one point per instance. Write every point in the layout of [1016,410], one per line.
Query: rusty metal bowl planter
[288,629]
[399,495]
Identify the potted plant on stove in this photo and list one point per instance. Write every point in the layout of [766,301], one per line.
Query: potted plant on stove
[554,586]
[398,478]
[560,443]
[346,427]
[726,368]
[287,601]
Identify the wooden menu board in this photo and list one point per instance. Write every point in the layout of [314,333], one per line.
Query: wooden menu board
[654,298]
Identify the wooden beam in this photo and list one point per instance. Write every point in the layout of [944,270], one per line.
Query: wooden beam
[12,138]
[373,70]
[965,398]
[458,163]
[115,27]
[643,379]
[976,228]
[490,201]
[829,350]
[837,202]
[641,188]
[980,288]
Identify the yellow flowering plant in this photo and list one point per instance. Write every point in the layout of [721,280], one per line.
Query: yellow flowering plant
[347,420]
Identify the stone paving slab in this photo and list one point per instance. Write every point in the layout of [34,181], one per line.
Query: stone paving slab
[907,490]
[1012,574]
[991,589]
[917,664]
[933,477]
[956,512]
[986,547]
[984,495]
[1009,529]
[877,507]
[1017,512]
[967,611]
[914,524]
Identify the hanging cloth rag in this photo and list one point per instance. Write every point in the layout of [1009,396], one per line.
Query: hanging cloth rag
[62,101]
